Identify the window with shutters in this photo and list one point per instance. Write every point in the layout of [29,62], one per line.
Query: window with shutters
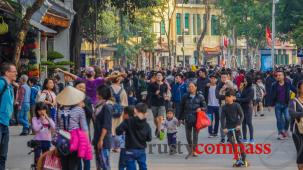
[199,24]
[194,24]
[162,25]
[186,23]
[214,25]
[178,24]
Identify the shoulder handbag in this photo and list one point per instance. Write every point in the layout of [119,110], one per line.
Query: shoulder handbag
[3,26]
[299,122]
[62,139]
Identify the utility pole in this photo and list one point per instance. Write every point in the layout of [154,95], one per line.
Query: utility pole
[273,34]
[183,28]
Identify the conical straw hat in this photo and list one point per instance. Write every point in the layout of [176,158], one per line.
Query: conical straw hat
[70,96]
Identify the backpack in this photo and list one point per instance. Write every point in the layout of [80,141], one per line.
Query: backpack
[117,107]
[4,88]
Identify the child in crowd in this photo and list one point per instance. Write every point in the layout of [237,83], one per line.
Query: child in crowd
[132,100]
[42,126]
[231,118]
[137,134]
[171,124]
[127,113]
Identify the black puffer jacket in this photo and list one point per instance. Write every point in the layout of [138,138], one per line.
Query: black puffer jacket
[189,107]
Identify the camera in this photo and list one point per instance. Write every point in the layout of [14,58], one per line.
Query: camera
[33,144]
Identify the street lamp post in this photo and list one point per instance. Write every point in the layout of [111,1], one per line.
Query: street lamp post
[273,35]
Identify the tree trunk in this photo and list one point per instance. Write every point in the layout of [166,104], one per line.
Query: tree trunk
[24,29]
[234,52]
[76,32]
[205,28]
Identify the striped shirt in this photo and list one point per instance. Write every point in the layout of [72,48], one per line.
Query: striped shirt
[77,118]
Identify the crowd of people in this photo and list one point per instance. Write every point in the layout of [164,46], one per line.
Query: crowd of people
[116,103]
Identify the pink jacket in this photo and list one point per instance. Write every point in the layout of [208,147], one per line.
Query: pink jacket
[81,143]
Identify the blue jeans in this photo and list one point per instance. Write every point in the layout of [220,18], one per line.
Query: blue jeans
[122,163]
[133,155]
[102,159]
[213,112]
[86,164]
[4,138]
[23,117]
[282,116]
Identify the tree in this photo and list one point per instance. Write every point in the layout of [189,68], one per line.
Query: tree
[52,64]
[129,32]
[245,20]
[165,11]
[85,9]
[289,20]
[205,27]
[24,29]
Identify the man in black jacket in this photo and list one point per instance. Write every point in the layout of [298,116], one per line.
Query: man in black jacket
[137,133]
[280,97]
[202,82]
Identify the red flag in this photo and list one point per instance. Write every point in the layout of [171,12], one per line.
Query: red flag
[225,42]
[268,36]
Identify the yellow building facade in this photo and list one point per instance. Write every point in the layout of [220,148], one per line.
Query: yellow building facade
[188,19]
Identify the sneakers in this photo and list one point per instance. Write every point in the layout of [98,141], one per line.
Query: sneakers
[252,141]
[281,136]
[244,141]
[285,135]
[222,141]
[262,114]
[210,136]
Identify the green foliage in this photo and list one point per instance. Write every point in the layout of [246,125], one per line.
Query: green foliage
[249,18]
[298,34]
[53,55]
[47,63]
[52,64]
[64,63]
[135,35]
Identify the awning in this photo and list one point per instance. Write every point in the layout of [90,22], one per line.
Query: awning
[55,20]
[42,27]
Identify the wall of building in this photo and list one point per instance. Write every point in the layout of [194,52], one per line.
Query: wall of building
[190,38]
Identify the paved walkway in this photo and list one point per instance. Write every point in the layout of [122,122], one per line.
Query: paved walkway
[282,157]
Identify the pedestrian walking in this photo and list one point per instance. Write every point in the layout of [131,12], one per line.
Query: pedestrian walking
[103,127]
[71,118]
[280,93]
[23,102]
[296,113]
[246,101]
[192,103]
[213,107]
[137,134]
[8,76]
